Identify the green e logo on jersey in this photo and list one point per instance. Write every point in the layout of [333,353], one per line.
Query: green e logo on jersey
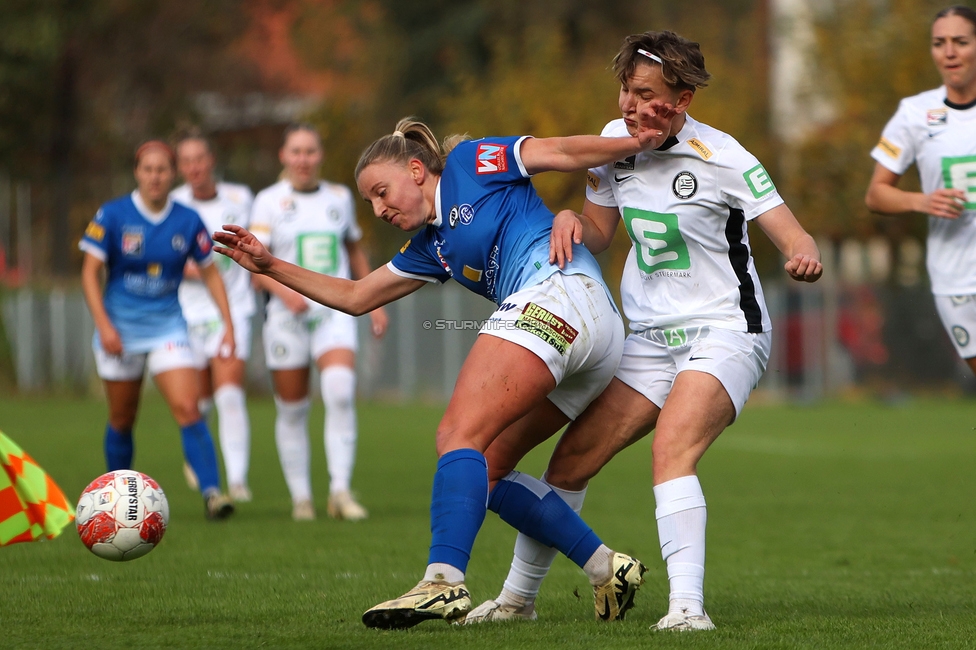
[758,181]
[319,252]
[960,174]
[658,242]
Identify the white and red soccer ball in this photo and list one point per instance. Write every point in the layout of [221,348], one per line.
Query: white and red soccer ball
[122,515]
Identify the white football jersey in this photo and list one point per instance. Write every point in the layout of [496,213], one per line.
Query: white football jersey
[231,205]
[941,141]
[309,229]
[685,207]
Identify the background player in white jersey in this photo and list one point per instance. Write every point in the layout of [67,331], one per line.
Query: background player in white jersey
[936,130]
[221,373]
[700,330]
[142,242]
[312,223]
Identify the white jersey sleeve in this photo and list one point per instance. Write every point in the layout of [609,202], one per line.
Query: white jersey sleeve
[745,184]
[896,148]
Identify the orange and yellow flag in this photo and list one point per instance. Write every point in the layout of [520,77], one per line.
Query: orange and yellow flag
[32,506]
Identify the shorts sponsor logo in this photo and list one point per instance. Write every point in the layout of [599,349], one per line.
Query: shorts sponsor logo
[627,163]
[937,117]
[593,181]
[961,335]
[700,148]
[132,241]
[758,181]
[491,159]
[547,326]
[684,185]
[95,232]
[886,146]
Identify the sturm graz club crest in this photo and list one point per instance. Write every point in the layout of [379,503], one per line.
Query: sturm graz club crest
[962,336]
[684,185]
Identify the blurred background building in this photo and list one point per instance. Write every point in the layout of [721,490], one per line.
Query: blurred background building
[806,85]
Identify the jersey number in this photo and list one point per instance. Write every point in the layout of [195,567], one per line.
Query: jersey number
[657,239]
[319,252]
[960,174]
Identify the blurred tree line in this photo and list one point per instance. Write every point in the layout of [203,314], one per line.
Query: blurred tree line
[83,81]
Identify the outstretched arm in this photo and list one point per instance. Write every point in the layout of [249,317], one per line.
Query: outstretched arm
[360,268]
[885,197]
[355,297]
[799,248]
[577,152]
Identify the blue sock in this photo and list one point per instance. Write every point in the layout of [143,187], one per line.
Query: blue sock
[457,506]
[198,449]
[532,508]
[119,448]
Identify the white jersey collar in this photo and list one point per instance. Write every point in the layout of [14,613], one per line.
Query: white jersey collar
[155,218]
[437,206]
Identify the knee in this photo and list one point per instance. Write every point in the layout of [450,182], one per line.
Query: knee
[185,411]
[339,386]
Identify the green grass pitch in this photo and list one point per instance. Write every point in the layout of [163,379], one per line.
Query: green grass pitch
[831,526]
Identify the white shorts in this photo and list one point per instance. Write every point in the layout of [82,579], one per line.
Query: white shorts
[958,314]
[570,323]
[205,340]
[654,357]
[171,355]
[294,341]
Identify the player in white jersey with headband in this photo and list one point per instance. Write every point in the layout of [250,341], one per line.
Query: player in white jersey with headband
[936,130]
[311,223]
[221,375]
[700,329]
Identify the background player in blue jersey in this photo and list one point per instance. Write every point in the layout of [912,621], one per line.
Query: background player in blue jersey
[550,348]
[143,241]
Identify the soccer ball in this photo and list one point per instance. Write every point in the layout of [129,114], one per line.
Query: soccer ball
[122,515]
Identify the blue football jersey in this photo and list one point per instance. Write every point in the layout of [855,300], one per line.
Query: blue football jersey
[492,229]
[144,258]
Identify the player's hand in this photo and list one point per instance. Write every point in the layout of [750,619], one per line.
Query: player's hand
[228,346]
[380,321]
[654,122]
[244,248]
[567,229]
[804,268]
[944,203]
[111,341]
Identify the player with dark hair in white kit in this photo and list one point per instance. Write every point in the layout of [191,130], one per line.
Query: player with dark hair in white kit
[312,223]
[221,373]
[700,330]
[936,130]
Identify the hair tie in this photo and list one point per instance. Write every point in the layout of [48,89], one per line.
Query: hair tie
[399,134]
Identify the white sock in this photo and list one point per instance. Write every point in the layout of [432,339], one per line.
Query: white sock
[440,572]
[291,436]
[234,431]
[681,527]
[339,395]
[205,406]
[597,568]
[533,559]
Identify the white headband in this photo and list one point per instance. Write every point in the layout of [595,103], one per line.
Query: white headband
[653,57]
